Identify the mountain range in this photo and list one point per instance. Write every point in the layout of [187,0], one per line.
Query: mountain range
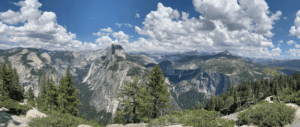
[191,77]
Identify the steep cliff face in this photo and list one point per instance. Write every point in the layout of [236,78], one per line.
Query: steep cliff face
[31,63]
[107,74]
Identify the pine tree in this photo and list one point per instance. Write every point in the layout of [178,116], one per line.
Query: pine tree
[9,74]
[23,92]
[6,80]
[16,90]
[30,96]
[84,116]
[199,106]
[131,90]
[158,91]
[68,97]
[52,95]
[42,99]
[274,72]
[1,81]
[61,100]
[235,95]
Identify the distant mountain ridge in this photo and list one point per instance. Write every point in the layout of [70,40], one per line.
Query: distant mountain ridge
[99,74]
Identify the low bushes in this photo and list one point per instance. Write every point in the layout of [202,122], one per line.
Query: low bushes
[20,109]
[14,107]
[3,98]
[267,114]
[198,118]
[10,103]
[56,119]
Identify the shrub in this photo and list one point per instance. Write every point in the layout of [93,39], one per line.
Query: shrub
[10,103]
[196,118]
[20,109]
[3,98]
[56,119]
[267,114]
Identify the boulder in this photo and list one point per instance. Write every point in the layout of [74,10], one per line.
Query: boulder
[34,113]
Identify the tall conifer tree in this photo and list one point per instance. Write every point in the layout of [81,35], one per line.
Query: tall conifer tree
[132,91]
[68,97]
[1,81]
[158,91]
[7,79]
[42,99]
[16,90]
[52,95]
[30,96]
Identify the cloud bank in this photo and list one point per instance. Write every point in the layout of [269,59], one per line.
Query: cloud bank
[39,29]
[243,28]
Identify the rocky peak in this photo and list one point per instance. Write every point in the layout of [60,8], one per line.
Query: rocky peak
[226,52]
[118,50]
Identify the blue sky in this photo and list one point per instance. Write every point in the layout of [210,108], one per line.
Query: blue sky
[256,28]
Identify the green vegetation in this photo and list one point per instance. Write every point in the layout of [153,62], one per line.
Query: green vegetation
[114,67]
[42,98]
[134,71]
[267,114]
[58,103]
[30,97]
[190,98]
[196,118]
[57,119]
[143,103]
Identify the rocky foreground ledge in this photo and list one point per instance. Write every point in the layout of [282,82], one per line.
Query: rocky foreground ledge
[142,125]
[11,120]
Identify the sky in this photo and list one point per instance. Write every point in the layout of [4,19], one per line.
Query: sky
[249,28]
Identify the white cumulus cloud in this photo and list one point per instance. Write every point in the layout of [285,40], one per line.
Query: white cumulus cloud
[295,30]
[224,24]
[290,42]
[39,29]
[108,29]
[125,24]
[276,51]
[297,46]
[294,52]
[137,15]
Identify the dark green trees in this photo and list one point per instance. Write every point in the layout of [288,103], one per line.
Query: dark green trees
[68,95]
[144,103]
[30,97]
[158,91]
[131,90]
[42,99]
[6,79]
[63,98]
[52,95]
[9,83]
